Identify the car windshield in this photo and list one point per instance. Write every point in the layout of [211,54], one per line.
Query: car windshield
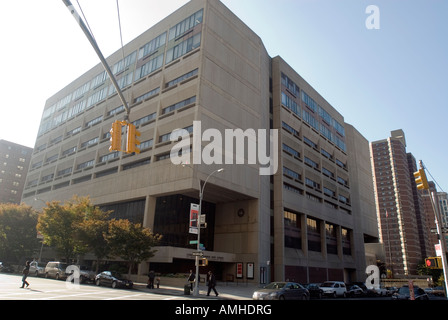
[275,285]
[327,284]
[116,275]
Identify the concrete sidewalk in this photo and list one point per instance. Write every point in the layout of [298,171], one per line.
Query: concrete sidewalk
[226,291]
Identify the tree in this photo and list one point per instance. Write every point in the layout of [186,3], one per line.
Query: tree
[131,241]
[18,236]
[93,228]
[58,224]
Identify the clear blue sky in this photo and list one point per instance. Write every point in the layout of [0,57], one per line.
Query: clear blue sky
[379,80]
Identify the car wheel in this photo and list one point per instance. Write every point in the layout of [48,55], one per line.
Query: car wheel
[46,275]
[36,274]
[334,295]
[304,297]
[320,295]
[114,284]
[57,276]
[97,282]
[281,298]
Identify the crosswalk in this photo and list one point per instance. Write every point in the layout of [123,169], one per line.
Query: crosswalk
[48,289]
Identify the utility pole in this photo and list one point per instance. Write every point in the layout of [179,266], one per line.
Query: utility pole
[92,41]
[422,183]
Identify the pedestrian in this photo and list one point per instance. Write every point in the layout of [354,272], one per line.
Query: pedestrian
[151,277]
[211,283]
[191,278]
[25,273]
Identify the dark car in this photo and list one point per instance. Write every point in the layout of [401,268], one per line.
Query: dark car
[282,291]
[315,290]
[404,294]
[113,279]
[355,291]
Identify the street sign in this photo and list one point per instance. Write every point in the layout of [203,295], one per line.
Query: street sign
[200,254]
[194,231]
[194,242]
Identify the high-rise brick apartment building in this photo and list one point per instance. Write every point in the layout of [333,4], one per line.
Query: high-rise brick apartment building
[202,63]
[14,162]
[400,211]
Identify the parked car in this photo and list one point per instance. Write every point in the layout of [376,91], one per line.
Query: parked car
[355,291]
[436,291]
[113,279]
[315,290]
[6,267]
[282,291]
[56,269]
[37,269]
[86,274]
[379,291]
[404,294]
[334,288]
[391,290]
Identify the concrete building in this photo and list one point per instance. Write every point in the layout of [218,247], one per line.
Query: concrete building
[14,162]
[202,66]
[400,211]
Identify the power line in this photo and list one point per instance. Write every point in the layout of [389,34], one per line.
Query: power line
[432,178]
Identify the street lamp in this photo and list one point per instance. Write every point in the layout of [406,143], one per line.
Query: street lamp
[201,193]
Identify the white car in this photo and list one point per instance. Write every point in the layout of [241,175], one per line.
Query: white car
[379,291]
[334,289]
[37,269]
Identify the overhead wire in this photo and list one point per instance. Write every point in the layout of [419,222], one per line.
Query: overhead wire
[433,179]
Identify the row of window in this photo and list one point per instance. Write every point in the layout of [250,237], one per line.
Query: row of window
[293,234]
[311,144]
[327,122]
[187,44]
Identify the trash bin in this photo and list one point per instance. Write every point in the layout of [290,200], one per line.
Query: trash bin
[187,289]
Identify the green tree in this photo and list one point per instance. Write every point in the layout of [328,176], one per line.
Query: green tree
[18,236]
[93,228]
[131,242]
[58,224]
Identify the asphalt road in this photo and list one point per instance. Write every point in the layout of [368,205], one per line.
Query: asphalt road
[50,289]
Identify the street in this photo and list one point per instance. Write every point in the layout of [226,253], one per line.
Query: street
[49,289]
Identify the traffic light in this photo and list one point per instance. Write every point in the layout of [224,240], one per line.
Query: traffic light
[203,262]
[115,137]
[132,141]
[420,179]
[433,263]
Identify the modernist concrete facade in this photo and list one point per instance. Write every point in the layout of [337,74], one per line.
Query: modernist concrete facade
[14,163]
[204,64]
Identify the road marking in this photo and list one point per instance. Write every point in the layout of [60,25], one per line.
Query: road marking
[62,296]
[124,297]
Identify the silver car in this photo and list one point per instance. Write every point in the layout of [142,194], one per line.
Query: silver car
[282,291]
[37,269]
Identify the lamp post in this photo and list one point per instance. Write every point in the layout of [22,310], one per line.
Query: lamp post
[198,245]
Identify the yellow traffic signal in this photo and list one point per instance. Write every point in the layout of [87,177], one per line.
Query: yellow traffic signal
[115,137]
[203,262]
[420,180]
[433,263]
[132,141]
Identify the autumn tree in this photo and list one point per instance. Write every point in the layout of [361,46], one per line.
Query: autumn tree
[58,224]
[93,228]
[131,242]
[18,236]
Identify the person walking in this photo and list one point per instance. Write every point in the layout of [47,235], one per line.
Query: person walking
[211,283]
[191,278]
[151,277]
[25,273]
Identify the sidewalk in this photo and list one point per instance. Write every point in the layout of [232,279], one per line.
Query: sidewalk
[226,291]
